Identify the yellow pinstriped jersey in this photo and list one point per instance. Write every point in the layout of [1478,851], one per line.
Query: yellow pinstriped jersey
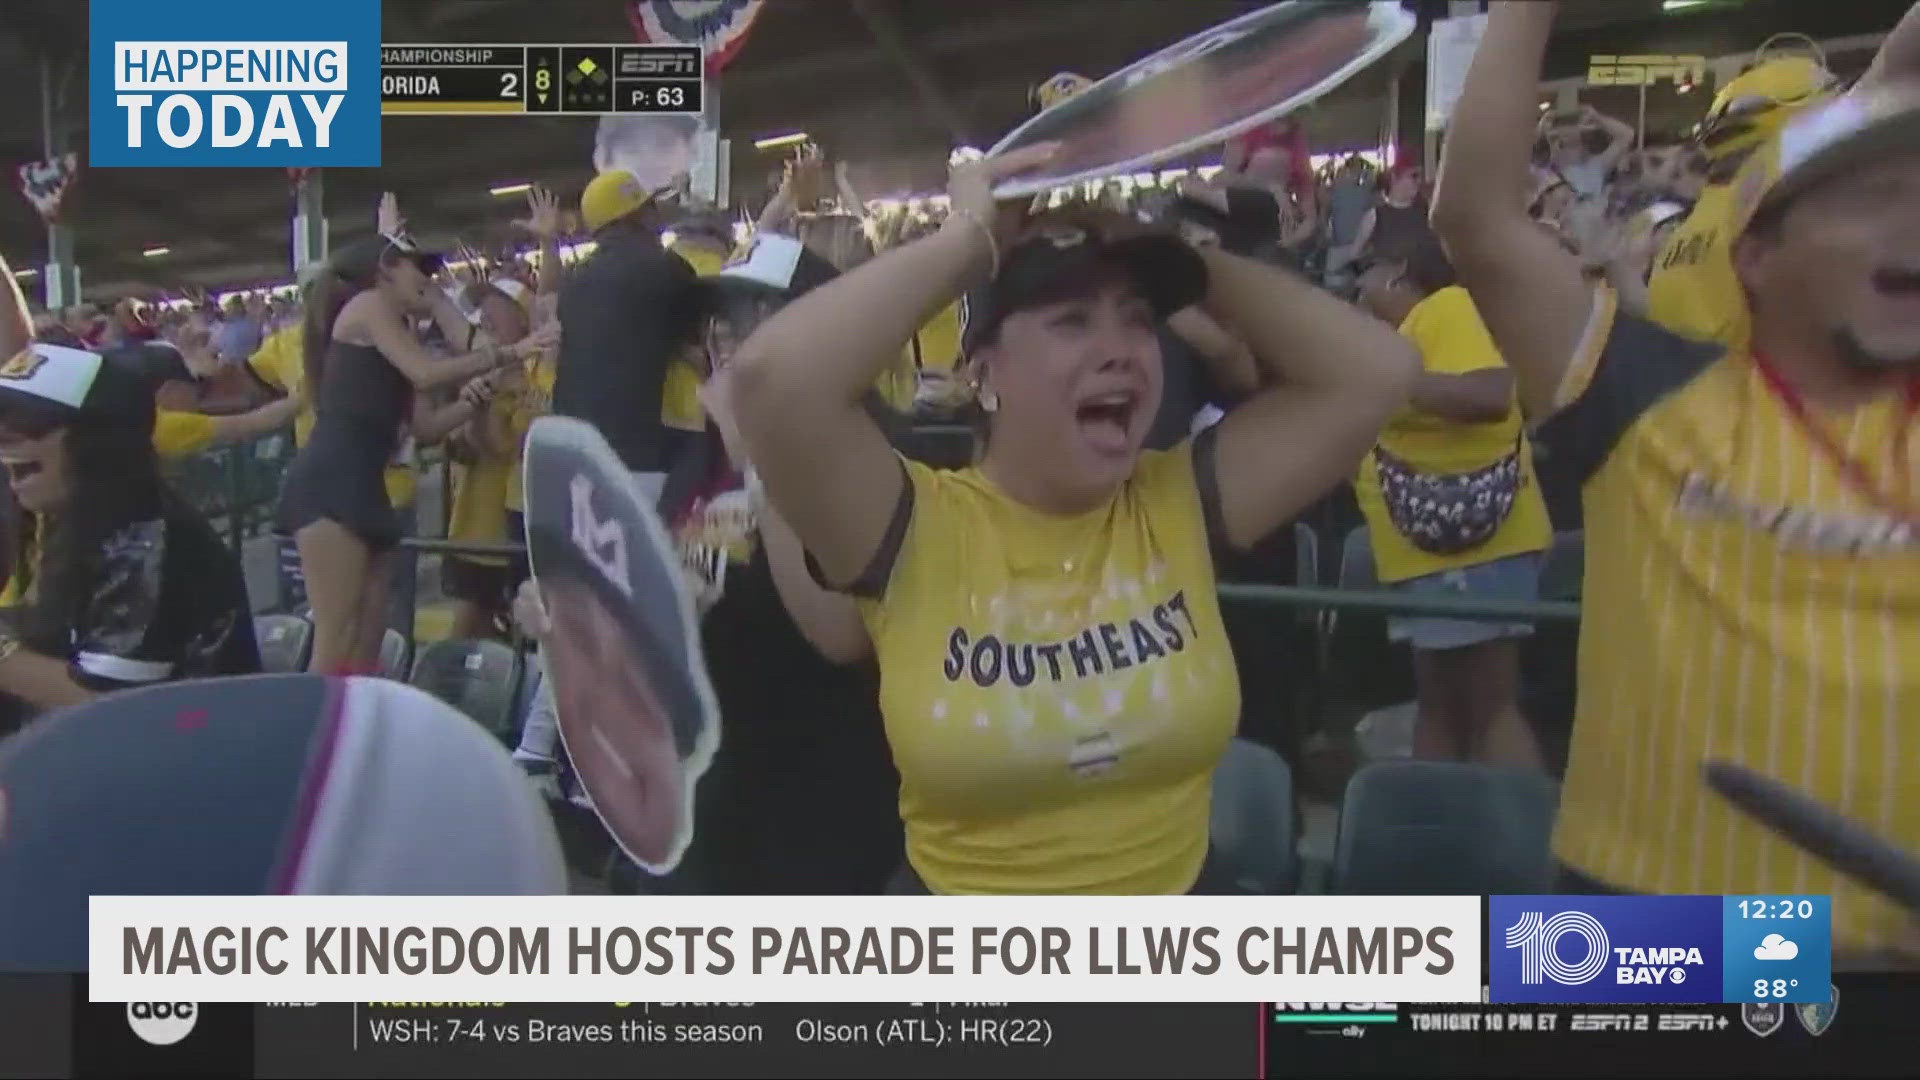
[1743,604]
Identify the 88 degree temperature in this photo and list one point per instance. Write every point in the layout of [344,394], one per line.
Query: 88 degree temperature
[1776,988]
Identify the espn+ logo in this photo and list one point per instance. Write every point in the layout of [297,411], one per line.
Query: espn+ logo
[162,1023]
[1538,938]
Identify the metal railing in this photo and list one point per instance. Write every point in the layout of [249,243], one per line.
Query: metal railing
[239,485]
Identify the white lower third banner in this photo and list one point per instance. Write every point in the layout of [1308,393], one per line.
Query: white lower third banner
[785,949]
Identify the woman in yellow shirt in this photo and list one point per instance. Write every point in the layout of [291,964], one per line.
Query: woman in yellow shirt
[1056,684]
[1453,509]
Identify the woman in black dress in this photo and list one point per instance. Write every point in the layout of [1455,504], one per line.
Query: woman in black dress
[367,366]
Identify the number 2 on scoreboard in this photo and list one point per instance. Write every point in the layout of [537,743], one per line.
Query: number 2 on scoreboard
[510,84]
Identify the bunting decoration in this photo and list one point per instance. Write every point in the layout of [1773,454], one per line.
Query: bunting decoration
[45,183]
[719,27]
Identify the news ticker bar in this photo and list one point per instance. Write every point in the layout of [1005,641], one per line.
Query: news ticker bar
[49,1028]
[551,80]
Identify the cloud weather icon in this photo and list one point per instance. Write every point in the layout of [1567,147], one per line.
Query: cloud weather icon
[1775,947]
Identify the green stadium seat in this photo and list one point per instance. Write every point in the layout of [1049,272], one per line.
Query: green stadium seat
[1252,819]
[480,678]
[1437,828]
[286,643]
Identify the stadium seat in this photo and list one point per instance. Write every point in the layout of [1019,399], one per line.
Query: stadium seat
[396,656]
[1436,828]
[1565,564]
[480,678]
[286,643]
[1252,820]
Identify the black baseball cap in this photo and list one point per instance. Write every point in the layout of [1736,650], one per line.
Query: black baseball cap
[44,387]
[359,261]
[1055,254]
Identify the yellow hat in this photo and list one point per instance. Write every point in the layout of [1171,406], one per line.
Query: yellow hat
[1820,143]
[1757,104]
[609,197]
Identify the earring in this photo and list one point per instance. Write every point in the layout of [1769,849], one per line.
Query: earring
[989,401]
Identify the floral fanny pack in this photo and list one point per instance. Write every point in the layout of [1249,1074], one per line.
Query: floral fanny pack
[1447,513]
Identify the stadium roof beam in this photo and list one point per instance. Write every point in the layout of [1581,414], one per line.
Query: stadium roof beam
[882,20]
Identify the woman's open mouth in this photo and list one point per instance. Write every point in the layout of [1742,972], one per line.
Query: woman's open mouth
[1106,420]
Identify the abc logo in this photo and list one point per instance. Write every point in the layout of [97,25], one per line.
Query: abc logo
[162,1023]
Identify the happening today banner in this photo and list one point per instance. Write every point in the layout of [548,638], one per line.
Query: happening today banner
[233,83]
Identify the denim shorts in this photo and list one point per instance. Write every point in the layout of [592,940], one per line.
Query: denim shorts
[1516,577]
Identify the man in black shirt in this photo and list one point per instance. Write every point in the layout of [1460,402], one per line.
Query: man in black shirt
[628,310]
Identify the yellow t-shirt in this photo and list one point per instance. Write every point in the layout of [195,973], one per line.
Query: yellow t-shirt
[533,401]
[480,505]
[1452,341]
[1693,291]
[680,393]
[940,340]
[181,434]
[1743,604]
[279,363]
[1056,691]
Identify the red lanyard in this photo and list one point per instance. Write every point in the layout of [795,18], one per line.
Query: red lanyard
[1897,501]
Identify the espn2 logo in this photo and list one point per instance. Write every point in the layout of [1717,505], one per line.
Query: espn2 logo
[162,1023]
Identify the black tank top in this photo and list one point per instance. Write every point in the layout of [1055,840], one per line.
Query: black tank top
[1398,230]
[362,389]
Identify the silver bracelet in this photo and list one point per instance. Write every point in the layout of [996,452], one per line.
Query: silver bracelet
[993,242]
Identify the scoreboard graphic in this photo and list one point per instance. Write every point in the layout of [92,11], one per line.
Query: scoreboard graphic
[555,80]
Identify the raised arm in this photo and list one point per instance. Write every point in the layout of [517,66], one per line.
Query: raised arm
[1620,135]
[800,379]
[1229,363]
[16,327]
[1332,378]
[1528,288]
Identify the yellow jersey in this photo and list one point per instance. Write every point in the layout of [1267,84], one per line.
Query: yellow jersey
[179,435]
[1452,341]
[940,340]
[479,511]
[1693,291]
[529,403]
[279,363]
[680,406]
[1056,690]
[1743,604]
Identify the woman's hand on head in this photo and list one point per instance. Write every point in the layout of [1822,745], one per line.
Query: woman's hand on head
[972,204]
